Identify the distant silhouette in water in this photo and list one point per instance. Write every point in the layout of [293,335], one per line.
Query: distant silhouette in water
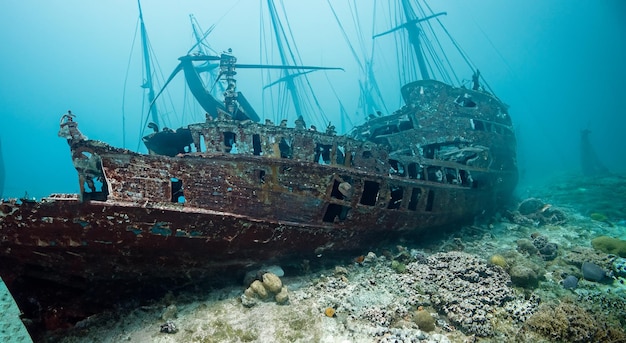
[1,171]
[590,163]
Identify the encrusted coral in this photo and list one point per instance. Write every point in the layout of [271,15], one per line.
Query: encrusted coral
[424,320]
[547,250]
[465,288]
[577,255]
[498,260]
[521,309]
[399,267]
[568,322]
[523,271]
[610,245]
[598,217]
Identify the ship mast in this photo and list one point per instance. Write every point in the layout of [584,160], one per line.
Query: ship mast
[414,32]
[148,68]
[412,27]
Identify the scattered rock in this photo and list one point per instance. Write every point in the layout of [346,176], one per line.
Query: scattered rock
[169,327]
[274,269]
[547,250]
[524,276]
[257,274]
[593,272]
[526,246]
[534,212]
[570,282]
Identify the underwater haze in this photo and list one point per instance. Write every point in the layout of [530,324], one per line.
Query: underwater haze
[559,64]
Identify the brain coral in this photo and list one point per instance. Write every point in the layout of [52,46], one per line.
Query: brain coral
[465,288]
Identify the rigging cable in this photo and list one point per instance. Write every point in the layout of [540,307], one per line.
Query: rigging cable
[464,56]
[322,118]
[132,47]
[370,85]
[443,70]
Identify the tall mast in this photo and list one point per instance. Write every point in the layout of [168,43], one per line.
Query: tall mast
[148,68]
[414,37]
[412,28]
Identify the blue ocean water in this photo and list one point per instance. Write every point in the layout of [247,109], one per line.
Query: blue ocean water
[558,64]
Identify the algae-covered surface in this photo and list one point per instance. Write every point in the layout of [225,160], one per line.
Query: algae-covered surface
[499,280]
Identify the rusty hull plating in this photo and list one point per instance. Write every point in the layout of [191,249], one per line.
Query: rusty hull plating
[228,193]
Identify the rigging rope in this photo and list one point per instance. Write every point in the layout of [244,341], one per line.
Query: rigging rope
[132,47]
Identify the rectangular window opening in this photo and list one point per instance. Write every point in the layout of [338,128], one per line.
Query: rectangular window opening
[416,193]
[256,144]
[341,155]
[478,125]
[397,168]
[370,193]
[452,176]
[335,211]
[397,193]
[177,191]
[434,174]
[322,153]
[430,200]
[229,140]
[414,171]
[466,178]
[285,149]
[202,146]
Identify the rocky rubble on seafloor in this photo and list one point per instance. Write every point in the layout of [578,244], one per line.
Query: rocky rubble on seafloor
[467,299]
[371,302]
[531,274]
